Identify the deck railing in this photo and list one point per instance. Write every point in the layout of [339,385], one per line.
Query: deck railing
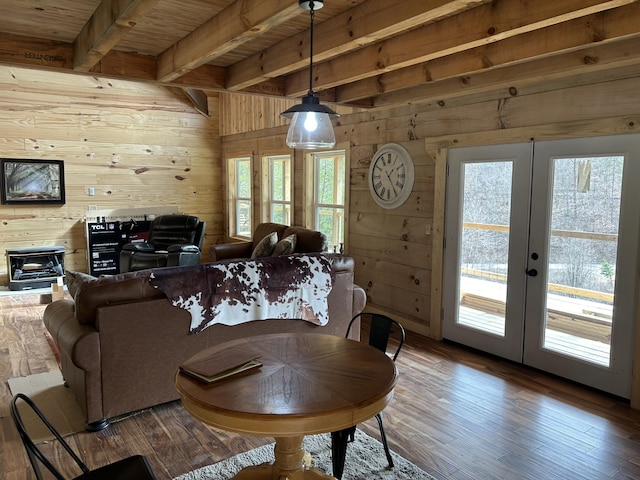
[561,289]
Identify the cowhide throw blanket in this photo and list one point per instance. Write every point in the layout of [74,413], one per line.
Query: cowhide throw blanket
[230,293]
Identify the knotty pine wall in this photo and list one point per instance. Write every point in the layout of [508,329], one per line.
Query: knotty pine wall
[397,261]
[138,145]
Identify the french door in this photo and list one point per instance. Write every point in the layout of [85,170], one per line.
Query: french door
[541,255]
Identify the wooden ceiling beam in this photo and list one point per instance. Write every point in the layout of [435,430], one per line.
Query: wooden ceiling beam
[605,27]
[362,25]
[135,66]
[35,52]
[58,56]
[242,21]
[111,21]
[474,28]
[513,78]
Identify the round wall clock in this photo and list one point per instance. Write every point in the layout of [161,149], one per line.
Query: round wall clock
[391,175]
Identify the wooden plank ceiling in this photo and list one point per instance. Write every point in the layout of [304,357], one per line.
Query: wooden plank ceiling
[369,53]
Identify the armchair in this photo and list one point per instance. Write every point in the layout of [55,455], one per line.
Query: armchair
[173,240]
[307,241]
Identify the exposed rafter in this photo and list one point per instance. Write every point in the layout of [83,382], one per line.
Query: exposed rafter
[111,21]
[374,53]
[466,32]
[239,23]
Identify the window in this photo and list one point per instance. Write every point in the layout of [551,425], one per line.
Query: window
[240,197]
[329,198]
[278,184]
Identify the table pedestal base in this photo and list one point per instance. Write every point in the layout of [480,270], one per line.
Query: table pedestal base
[287,466]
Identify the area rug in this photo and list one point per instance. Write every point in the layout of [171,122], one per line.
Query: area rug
[365,460]
[58,404]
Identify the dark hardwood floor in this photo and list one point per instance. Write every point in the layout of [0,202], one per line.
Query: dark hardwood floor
[456,413]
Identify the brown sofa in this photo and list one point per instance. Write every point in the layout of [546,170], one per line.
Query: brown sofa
[307,241]
[121,340]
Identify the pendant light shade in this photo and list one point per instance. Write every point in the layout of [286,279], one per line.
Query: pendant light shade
[310,126]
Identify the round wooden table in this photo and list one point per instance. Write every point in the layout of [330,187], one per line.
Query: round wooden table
[309,383]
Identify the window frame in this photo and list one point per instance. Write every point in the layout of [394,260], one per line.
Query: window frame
[268,202]
[233,198]
[313,205]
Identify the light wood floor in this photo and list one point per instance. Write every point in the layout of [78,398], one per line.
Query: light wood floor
[457,414]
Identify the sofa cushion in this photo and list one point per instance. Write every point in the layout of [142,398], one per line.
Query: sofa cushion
[307,241]
[264,229]
[265,247]
[286,246]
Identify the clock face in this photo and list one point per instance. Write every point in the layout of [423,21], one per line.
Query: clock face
[391,176]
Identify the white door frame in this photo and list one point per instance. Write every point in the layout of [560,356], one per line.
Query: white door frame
[623,336]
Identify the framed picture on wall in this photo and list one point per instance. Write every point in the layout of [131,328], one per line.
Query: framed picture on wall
[31,181]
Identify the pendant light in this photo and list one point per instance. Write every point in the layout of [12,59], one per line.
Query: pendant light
[310,126]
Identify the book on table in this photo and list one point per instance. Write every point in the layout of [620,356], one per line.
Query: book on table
[220,366]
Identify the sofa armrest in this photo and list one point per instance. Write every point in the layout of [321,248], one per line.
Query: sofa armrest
[187,255]
[228,251]
[183,248]
[138,247]
[79,342]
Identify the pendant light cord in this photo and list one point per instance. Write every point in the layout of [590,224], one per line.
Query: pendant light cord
[312,13]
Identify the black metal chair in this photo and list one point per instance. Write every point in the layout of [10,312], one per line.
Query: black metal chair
[382,328]
[135,467]
[174,240]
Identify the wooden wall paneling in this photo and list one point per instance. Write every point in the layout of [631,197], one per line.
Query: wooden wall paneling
[584,102]
[408,307]
[389,273]
[409,254]
[439,156]
[396,227]
[135,144]
[247,112]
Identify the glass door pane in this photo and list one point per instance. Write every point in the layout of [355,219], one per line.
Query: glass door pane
[486,232]
[484,253]
[585,213]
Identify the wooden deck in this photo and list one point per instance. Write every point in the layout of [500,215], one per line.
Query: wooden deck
[574,327]
[566,343]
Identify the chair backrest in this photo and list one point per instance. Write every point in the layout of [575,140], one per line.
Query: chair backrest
[382,328]
[167,230]
[134,467]
[35,455]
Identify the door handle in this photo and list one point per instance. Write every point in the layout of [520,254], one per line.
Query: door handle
[532,272]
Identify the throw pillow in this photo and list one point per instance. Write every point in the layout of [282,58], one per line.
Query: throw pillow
[286,246]
[265,246]
[75,280]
